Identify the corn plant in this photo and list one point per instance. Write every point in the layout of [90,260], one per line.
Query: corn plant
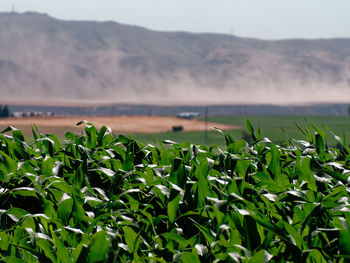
[97,197]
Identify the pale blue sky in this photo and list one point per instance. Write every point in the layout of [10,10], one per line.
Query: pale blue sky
[268,19]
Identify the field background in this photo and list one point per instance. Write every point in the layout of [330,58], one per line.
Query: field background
[270,127]
[119,124]
[156,129]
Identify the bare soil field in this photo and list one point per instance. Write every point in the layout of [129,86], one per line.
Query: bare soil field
[119,124]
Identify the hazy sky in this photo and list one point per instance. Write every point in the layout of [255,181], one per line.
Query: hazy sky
[268,19]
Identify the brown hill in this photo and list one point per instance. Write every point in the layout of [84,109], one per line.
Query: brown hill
[46,60]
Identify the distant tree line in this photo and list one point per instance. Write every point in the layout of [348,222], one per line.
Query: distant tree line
[4,111]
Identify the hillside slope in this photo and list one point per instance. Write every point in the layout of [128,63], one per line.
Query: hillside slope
[43,59]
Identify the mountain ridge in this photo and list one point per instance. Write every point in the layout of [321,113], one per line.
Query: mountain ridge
[52,60]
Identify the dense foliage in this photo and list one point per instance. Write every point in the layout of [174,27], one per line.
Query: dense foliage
[101,198]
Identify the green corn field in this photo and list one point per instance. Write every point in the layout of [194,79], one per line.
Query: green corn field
[96,197]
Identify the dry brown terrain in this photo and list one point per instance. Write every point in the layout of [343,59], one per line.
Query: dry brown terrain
[43,59]
[119,124]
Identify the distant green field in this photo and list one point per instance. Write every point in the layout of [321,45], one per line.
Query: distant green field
[269,125]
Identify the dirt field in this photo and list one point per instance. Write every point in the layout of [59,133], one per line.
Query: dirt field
[119,124]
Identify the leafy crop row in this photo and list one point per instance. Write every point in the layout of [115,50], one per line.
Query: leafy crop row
[100,198]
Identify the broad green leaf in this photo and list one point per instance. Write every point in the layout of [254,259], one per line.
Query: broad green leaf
[24,191]
[4,241]
[297,238]
[275,161]
[130,237]
[91,134]
[47,248]
[315,256]
[8,163]
[261,256]
[250,129]
[344,242]
[16,213]
[98,247]
[65,209]
[177,238]
[61,250]
[13,259]
[188,257]
[173,205]
[100,135]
